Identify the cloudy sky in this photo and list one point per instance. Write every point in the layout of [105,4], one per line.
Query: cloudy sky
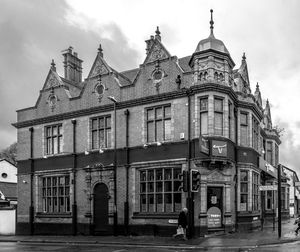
[32,32]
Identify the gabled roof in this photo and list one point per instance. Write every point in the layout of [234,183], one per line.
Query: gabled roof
[4,159]
[157,52]
[184,63]
[131,74]
[52,80]
[100,67]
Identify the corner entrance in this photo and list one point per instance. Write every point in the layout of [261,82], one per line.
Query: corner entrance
[101,209]
[214,207]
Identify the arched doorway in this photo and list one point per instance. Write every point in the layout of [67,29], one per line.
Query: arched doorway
[100,209]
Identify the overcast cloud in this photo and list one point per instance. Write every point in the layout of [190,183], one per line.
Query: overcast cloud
[32,32]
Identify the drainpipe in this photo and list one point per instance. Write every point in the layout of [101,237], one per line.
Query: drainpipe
[74,206]
[190,200]
[126,204]
[31,208]
[236,169]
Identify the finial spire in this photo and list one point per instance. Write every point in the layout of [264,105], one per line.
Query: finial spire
[211,23]
[53,67]
[157,32]
[100,50]
[244,56]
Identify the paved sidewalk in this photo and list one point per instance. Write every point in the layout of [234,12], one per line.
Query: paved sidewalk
[235,240]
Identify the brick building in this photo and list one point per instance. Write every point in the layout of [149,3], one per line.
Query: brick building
[106,154]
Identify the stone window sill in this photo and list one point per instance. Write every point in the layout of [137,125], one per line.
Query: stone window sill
[53,215]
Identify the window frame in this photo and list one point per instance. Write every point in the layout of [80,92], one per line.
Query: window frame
[255,133]
[269,152]
[203,112]
[154,121]
[246,125]
[51,192]
[153,187]
[107,131]
[246,193]
[53,147]
[219,113]
[255,191]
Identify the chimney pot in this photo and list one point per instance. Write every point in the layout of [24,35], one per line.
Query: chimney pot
[72,65]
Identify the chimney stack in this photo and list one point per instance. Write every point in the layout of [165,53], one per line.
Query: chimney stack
[72,65]
[149,44]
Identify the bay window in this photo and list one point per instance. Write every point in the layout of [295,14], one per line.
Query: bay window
[244,183]
[218,116]
[244,129]
[204,116]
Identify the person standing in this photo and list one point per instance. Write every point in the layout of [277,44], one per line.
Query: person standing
[182,221]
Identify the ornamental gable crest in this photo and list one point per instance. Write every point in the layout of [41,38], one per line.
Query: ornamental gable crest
[157,52]
[99,67]
[53,80]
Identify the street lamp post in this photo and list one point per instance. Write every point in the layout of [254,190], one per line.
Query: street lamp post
[279,199]
[115,165]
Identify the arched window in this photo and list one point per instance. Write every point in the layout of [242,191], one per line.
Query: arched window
[205,76]
[221,77]
[216,76]
[201,77]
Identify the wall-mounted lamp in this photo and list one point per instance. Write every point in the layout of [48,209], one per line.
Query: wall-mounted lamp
[45,157]
[24,182]
[146,146]
[158,143]
[86,153]
[101,151]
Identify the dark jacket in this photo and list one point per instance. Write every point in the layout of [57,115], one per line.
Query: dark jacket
[182,219]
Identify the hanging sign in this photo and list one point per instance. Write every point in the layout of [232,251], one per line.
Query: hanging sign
[204,145]
[219,148]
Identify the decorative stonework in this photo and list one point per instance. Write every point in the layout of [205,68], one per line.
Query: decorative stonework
[52,82]
[157,53]
[99,68]
[157,76]
[52,100]
[99,89]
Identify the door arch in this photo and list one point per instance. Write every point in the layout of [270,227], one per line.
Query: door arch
[101,197]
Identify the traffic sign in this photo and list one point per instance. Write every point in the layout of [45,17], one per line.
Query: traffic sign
[268,188]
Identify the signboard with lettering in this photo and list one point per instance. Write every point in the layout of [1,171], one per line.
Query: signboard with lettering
[268,188]
[204,145]
[214,217]
[219,148]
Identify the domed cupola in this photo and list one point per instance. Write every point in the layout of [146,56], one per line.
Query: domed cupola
[211,60]
[211,43]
